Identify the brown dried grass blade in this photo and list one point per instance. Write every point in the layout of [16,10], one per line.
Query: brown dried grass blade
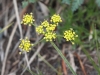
[81,64]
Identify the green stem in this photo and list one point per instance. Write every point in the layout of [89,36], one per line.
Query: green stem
[62,56]
[48,64]
[31,72]
[34,25]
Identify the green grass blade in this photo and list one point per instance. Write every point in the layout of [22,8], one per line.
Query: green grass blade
[92,61]
[63,57]
[49,65]
[5,28]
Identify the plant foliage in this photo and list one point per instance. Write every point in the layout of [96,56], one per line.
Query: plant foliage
[98,3]
[25,3]
[66,2]
[74,4]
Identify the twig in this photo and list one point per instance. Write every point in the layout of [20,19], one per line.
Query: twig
[37,51]
[72,61]
[1,50]
[81,64]
[8,48]
[20,28]
[26,57]
[63,63]
[18,18]
[10,40]
[33,57]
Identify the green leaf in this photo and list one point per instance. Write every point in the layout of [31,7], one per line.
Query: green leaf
[76,4]
[66,2]
[24,4]
[32,1]
[98,3]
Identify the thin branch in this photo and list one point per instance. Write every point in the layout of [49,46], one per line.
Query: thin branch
[8,48]
[17,16]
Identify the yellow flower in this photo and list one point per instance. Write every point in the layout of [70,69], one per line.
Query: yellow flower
[51,27]
[56,18]
[39,29]
[70,35]
[25,45]
[45,23]
[27,19]
[49,36]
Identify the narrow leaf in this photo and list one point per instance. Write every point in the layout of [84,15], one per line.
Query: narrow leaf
[5,27]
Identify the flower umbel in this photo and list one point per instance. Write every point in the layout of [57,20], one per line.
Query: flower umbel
[27,19]
[45,23]
[56,18]
[49,36]
[25,45]
[70,35]
[40,29]
[47,29]
[51,27]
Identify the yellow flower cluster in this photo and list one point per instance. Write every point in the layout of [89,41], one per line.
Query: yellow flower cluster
[56,18]
[25,45]
[70,35]
[40,29]
[27,19]
[49,36]
[51,27]
[45,23]
[47,29]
